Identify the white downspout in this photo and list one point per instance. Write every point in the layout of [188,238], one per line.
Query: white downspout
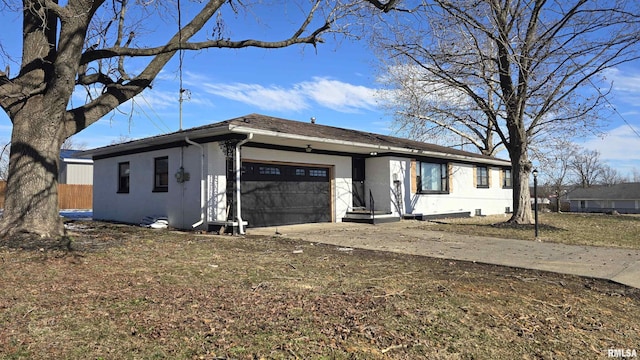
[238,170]
[203,184]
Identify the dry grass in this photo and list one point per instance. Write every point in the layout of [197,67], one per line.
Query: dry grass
[566,228]
[135,293]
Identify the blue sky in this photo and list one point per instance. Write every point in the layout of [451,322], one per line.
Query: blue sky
[334,83]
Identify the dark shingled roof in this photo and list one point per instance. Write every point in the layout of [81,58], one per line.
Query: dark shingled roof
[72,154]
[624,191]
[274,124]
[292,127]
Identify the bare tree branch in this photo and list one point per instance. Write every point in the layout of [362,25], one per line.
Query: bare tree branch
[107,49]
[526,70]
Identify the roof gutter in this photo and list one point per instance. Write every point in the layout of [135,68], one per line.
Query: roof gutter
[372,147]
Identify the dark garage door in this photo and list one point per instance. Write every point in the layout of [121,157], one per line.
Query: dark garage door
[275,194]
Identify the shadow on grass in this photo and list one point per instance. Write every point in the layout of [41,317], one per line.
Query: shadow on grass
[528,227]
[501,225]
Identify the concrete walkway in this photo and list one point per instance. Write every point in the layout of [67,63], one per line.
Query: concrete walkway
[615,264]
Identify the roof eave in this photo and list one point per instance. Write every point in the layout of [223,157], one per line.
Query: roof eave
[373,147]
[158,140]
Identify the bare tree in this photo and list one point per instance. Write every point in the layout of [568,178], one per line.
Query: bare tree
[121,139]
[610,176]
[427,109]
[587,167]
[101,46]
[72,144]
[522,70]
[556,161]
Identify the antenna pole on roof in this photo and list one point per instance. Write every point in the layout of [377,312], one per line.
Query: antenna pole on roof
[180,59]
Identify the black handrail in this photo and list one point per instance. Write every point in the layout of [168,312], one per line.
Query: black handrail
[372,203]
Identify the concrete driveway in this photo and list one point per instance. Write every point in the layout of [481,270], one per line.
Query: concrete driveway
[410,237]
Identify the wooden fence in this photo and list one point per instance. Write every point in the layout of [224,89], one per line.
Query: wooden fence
[69,196]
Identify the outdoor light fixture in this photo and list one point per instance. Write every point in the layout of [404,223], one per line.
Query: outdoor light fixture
[535,199]
[308,149]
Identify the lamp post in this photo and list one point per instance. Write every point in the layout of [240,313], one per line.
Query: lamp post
[535,199]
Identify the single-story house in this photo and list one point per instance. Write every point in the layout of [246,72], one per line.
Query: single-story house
[75,168]
[623,198]
[258,170]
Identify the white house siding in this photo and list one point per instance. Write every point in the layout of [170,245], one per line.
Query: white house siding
[463,195]
[181,203]
[217,183]
[341,190]
[382,172]
[76,173]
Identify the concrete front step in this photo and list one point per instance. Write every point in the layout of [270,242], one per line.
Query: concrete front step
[367,218]
[426,217]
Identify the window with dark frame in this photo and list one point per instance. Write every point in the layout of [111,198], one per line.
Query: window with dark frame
[507,183]
[482,177]
[123,177]
[161,174]
[432,178]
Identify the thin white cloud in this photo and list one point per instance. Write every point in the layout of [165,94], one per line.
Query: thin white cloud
[617,148]
[623,81]
[626,87]
[616,144]
[156,99]
[265,98]
[326,92]
[338,95]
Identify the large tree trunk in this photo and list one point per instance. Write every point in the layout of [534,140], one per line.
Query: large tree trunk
[521,168]
[31,206]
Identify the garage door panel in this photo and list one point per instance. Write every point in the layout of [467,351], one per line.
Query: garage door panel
[274,217]
[269,202]
[259,193]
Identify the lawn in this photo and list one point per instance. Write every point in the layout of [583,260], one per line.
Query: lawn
[567,228]
[127,292]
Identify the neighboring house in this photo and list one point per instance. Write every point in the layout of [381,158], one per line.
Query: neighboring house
[75,170]
[623,198]
[544,201]
[291,172]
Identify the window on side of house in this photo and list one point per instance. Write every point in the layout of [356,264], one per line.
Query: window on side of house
[161,174]
[432,178]
[482,177]
[123,177]
[506,179]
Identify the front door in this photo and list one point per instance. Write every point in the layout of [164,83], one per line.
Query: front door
[357,176]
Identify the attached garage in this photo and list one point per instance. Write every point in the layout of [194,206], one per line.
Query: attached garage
[258,170]
[285,194]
